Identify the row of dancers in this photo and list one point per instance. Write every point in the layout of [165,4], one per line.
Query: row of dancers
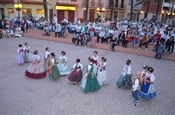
[93,75]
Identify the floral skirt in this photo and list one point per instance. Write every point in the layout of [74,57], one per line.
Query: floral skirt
[124,81]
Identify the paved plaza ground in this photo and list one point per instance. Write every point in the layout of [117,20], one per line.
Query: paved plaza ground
[20,95]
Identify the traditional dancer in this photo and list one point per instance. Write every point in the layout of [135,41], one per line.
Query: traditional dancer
[26,53]
[136,88]
[46,58]
[95,61]
[90,82]
[20,54]
[102,71]
[35,70]
[62,64]
[125,78]
[76,74]
[147,87]
[52,69]
[144,73]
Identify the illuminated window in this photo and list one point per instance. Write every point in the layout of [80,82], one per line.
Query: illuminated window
[27,12]
[10,10]
[39,11]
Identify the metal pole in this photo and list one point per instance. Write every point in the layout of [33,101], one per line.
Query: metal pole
[18,14]
[86,13]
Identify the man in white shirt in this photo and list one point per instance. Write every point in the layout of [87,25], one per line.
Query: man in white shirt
[102,35]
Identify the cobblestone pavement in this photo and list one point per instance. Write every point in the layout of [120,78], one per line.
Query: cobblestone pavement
[20,95]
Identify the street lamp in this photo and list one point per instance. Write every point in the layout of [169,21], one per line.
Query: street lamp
[18,6]
[100,9]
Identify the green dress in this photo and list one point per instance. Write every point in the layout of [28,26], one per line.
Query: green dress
[54,71]
[92,82]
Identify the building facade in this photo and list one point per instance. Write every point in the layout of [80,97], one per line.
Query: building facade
[72,9]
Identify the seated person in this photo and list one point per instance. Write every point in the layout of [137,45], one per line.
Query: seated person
[75,38]
[18,32]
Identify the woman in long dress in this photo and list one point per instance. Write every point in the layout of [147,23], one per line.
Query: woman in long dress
[62,64]
[46,58]
[95,61]
[35,70]
[20,55]
[52,69]
[101,76]
[26,53]
[125,80]
[90,82]
[76,74]
[147,88]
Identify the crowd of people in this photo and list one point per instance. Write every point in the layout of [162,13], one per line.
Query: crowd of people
[91,77]
[143,32]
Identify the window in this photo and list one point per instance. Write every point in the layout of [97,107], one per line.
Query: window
[39,11]
[10,10]
[110,3]
[116,3]
[122,3]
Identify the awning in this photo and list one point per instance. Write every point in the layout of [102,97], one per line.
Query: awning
[6,1]
[32,1]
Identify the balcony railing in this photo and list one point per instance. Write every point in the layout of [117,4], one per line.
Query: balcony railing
[93,4]
[118,6]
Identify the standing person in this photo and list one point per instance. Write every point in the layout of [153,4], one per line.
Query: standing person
[26,53]
[101,77]
[93,41]
[136,89]
[20,54]
[35,70]
[46,58]
[53,70]
[62,64]
[90,82]
[147,88]
[95,61]
[76,74]
[144,73]
[125,78]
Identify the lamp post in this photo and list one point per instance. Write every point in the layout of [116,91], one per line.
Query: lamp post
[18,6]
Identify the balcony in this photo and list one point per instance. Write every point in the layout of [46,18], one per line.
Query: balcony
[93,4]
[119,6]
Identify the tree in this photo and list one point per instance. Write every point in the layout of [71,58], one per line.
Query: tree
[86,12]
[45,9]
[112,8]
[145,2]
[158,7]
[131,10]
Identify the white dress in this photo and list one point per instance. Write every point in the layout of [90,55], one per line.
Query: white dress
[101,76]
[95,64]
[27,54]
[62,65]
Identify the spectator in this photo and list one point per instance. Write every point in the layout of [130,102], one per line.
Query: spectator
[121,38]
[144,41]
[58,30]
[102,35]
[75,38]
[18,31]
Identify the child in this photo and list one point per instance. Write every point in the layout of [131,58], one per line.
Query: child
[136,89]
[159,50]
[20,54]
[93,41]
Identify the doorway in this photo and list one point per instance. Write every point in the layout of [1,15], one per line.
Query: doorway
[91,15]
